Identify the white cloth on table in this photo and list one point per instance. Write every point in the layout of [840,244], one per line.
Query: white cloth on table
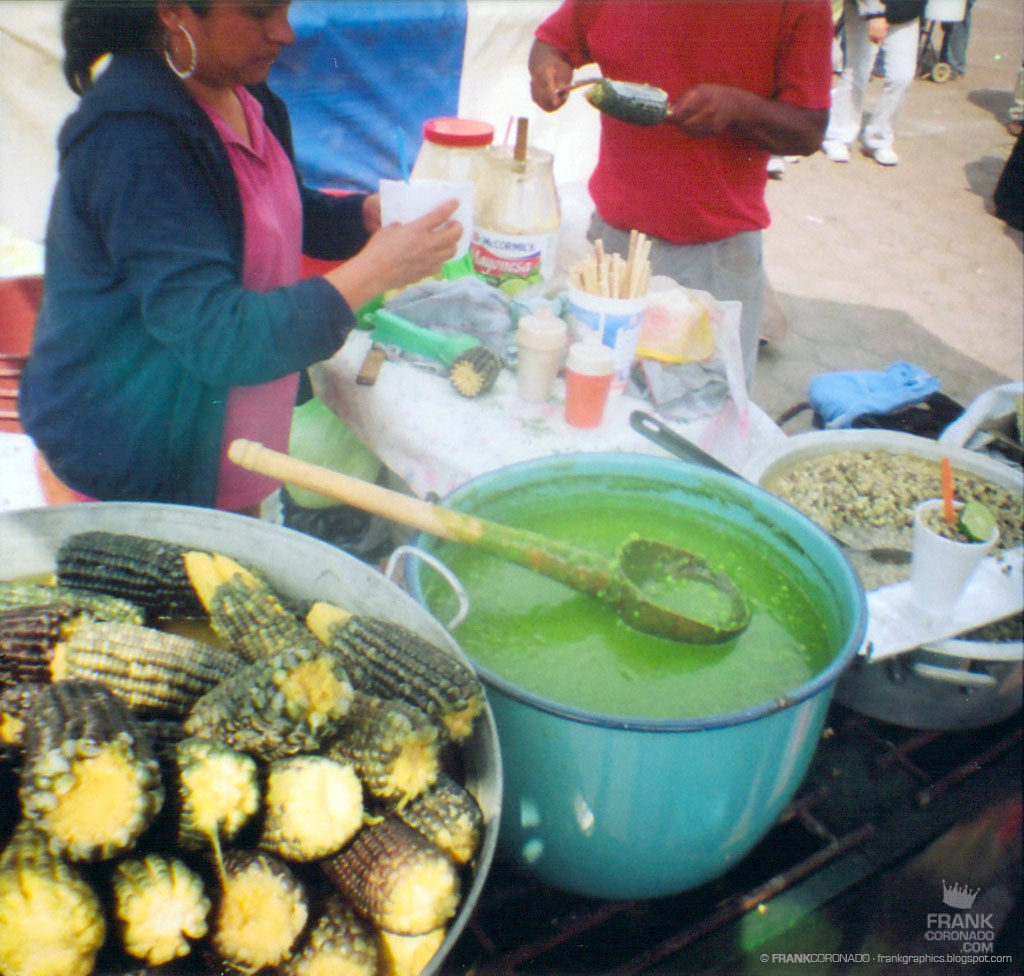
[434,440]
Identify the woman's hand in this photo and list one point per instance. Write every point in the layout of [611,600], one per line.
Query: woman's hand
[550,75]
[371,213]
[399,255]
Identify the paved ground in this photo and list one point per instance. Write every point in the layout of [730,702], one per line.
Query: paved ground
[873,264]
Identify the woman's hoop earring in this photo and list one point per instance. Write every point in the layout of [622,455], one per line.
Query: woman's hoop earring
[194,57]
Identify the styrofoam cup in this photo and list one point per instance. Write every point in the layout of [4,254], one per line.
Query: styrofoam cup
[612,321]
[940,567]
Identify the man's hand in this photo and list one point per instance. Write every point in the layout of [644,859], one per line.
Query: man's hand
[708,109]
[550,75]
[878,29]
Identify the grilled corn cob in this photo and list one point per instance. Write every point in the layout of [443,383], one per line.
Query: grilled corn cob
[50,919]
[313,807]
[285,704]
[15,701]
[148,572]
[150,670]
[448,815]
[390,661]
[406,955]
[218,791]
[339,944]
[262,910]
[629,102]
[28,636]
[244,610]
[394,747]
[396,878]
[88,779]
[99,606]
[161,905]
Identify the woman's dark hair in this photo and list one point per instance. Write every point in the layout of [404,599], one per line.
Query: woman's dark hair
[93,28]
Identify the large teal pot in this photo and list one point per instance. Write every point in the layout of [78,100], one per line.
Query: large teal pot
[618,807]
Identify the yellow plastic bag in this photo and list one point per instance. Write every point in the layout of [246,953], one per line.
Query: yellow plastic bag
[676,327]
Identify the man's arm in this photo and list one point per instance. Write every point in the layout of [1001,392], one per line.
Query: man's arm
[783,129]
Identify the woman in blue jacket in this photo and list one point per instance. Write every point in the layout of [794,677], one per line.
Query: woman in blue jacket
[173,318]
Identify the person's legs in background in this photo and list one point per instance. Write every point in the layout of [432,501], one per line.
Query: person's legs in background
[954,43]
[844,118]
[900,47]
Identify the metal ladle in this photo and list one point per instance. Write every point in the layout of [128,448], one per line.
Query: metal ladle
[673,442]
[653,587]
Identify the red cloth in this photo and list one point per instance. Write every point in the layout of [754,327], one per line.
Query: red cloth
[656,179]
[273,250]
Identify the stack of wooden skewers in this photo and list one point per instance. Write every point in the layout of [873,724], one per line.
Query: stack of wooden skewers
[611,276]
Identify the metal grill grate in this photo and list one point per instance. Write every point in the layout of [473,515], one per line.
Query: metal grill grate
[875,794]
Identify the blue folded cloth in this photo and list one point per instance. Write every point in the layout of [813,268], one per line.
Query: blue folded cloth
[840,398]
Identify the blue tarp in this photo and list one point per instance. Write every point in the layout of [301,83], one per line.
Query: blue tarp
[361,79]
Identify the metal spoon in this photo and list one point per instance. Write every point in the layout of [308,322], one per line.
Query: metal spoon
[673,442]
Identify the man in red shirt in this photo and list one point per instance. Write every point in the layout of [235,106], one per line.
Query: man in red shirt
[745,79]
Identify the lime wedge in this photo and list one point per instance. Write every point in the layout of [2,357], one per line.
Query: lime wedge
[976,521]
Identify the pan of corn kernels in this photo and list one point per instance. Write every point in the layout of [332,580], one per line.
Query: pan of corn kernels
[862,485]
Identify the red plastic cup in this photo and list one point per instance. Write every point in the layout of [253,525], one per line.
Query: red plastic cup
[589,369]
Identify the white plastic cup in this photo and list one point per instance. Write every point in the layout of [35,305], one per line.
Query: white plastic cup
[941,568]
[589,368]
[615,322]
[541,342]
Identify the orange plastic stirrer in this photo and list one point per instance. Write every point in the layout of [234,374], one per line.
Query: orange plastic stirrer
[947,491]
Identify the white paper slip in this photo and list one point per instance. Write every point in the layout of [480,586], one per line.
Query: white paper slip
[896,624]
[401,202]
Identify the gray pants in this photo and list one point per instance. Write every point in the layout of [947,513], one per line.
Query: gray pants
[731,269]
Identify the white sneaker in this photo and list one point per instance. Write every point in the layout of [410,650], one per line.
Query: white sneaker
[776,167]
[838,152]
[885,156]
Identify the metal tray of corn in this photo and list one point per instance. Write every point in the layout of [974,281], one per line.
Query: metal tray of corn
[229,747]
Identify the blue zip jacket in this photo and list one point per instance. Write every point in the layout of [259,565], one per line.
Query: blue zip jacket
[144,323]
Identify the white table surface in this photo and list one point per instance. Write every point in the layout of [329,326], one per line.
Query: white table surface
[434,439]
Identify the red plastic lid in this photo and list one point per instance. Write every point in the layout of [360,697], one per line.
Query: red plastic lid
[458,132]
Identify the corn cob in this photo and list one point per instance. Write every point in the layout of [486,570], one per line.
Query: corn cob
[99,606]
[448,815]
[390,661]
[262,910]
[218,791]
[396,878]
[285,704]
[339,944]
[28,636]
[88,779]
[161,905]
[148,572]
[394,747]
[51,923]
[313,807]
[407,955]
[15,701]
[151,671]
[244,610]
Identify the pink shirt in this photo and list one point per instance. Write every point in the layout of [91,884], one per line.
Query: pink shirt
[272,214]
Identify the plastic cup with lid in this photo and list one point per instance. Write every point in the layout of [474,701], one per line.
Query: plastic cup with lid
[589,369]
[540,340]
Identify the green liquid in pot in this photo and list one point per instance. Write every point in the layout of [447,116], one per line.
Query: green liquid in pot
[551,640]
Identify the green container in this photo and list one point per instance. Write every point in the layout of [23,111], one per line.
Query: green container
[620,807]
